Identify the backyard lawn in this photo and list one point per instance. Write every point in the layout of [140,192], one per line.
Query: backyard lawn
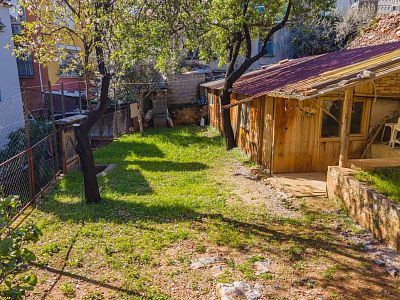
[386,181]
[176,196]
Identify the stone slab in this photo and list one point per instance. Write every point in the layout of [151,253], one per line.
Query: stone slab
[303,184]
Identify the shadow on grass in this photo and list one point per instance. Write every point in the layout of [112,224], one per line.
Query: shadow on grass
[122,148]
[168,166]
[61,272]
[124,212]
[185,136]
[123,180]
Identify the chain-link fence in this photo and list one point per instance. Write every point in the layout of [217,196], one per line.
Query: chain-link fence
[110,126]
[28,146]
[34,147]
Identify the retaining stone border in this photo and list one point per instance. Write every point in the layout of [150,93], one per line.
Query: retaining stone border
[372,210]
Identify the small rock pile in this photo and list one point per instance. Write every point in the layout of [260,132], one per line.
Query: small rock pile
[382,255]
[385,29]
[239,290]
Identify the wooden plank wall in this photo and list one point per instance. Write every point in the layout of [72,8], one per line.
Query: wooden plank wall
[283,130]
[248,138]
[266,143]
[298,145]
[215,110]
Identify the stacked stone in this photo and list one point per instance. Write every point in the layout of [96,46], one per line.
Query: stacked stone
[385,29]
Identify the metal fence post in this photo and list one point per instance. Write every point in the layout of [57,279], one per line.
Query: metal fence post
[31,175]
[31,171]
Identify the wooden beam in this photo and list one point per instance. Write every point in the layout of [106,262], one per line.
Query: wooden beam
[345,129]
[392,96]
[236,103]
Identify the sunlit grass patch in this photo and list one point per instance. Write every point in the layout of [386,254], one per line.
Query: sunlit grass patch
[385,181]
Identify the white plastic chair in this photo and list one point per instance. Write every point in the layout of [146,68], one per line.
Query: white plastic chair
[395,133]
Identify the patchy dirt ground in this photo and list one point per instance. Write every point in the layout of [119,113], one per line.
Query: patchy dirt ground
[253,232]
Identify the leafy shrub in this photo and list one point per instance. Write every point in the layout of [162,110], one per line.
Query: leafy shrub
[17,141]
[15,280]
[67,290]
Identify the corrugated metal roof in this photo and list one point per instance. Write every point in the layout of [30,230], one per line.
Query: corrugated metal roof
[300,78]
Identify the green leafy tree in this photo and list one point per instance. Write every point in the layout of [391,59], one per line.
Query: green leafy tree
[226,28]
[110,33]
[15,278]
[315,36]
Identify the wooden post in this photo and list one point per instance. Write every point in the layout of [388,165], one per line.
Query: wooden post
[345,129]
[62,100]
[53,122]
[63,152]
[140,112]
[53,170]
[127,118]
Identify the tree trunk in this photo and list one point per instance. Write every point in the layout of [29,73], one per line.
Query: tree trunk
[140,113]
[226,119]
[84,149]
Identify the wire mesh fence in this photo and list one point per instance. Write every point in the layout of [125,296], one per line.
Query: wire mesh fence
[110,126]
[28,147]
[33,149]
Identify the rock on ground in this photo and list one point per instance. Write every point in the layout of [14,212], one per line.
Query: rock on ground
[205,262]
[262,267]
[239,290]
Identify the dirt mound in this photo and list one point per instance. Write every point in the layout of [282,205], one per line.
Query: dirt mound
[385,29]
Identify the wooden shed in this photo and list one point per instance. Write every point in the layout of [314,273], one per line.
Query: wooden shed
[306,114]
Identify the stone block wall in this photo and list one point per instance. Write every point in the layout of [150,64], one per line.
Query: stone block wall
[388,85]
[184,88]
[370,209]
[190,115]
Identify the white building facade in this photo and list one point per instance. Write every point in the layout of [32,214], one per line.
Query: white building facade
[388,6]
[383,7]
[11,108]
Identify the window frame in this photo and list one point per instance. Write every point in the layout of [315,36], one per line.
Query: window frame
[71,51]
[245,116]
[364,121]
[26,64]
[363,116]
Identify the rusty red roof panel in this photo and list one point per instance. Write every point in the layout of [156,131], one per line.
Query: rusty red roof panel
[278,76]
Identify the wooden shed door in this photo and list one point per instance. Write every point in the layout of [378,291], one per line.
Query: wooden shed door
[295,137]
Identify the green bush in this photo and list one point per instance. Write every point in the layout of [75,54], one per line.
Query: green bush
[15,278]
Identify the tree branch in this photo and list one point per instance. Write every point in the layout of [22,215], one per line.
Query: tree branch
[248,62]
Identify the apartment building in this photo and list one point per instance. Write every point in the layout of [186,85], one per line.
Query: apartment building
[11,108]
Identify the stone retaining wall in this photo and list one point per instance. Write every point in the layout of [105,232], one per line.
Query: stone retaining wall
[370,209]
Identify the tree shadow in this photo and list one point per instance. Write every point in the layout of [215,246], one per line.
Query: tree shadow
[61,272]
[186,136]
[121,149]
[118,211]
[126,181]
[168,166]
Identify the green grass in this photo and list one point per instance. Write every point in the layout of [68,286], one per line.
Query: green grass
[169,200]
[386,181]
[162,192]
